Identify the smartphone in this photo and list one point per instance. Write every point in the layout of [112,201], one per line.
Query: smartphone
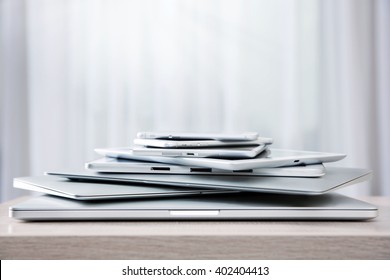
[163,143]
[232,152]
[199,136]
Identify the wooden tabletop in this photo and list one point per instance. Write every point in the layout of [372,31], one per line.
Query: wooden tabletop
[197,239]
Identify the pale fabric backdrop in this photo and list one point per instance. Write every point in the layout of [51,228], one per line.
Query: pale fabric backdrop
[76,75]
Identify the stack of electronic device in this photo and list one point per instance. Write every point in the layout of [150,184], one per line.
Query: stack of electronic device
[197,176]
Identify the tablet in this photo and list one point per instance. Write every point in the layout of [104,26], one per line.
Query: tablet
[232,152]
[198,136]
[78,190]
[162,143]
[118,165]
[269,158]
[241,206]
[335,177]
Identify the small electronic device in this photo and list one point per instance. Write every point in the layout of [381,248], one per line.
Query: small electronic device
[233,152]
[276,158]
[163,143]
[117,165]
[199,136]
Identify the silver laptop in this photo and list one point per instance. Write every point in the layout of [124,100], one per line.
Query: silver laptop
[237,206]
[63,187]
[335,177]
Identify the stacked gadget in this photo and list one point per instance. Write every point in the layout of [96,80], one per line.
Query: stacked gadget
[197,176]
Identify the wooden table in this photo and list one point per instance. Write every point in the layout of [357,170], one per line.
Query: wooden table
[197,240]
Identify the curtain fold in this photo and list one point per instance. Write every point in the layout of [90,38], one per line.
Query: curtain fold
[313,75]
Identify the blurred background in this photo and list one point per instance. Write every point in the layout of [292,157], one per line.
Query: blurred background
[76,75]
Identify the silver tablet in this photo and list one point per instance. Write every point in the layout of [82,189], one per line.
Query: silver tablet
[118,165]
[82,190]
[246,136]
[232,152]
[238,206]
[276,158]
[335,177]
[163,143]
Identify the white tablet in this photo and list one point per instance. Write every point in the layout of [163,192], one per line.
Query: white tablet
[232,152]
[198,136]
[118,165]
[163,143]
[276,158]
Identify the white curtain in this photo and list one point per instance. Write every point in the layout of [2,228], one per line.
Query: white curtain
[77,75]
